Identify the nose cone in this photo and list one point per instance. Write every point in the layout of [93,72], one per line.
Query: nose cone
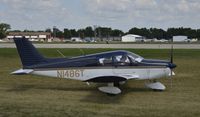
[172,65]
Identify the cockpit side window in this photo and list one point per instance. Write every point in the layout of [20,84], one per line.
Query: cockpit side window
[121,60]
[105,61]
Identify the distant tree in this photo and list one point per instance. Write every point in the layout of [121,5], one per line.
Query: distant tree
[59,34]
[74,33]
[48,30]
[191,33]
[158,33]
[135,31]
[89,32]
[67,33]
[15,31]
[4,30]
[40,31]
[171,32]
[142,32]
[146,33]
[26,30]
[198,34]
[103,31]
[81,33]
[116,33]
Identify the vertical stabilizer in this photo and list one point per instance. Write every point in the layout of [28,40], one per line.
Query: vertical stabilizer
[28,53]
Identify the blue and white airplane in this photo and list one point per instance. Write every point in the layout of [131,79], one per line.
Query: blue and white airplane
[113,68]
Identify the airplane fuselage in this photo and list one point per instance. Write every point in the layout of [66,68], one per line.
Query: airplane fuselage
[97,74]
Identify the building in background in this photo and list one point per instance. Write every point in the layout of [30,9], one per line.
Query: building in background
[180,38]
[32,36]
[132,38]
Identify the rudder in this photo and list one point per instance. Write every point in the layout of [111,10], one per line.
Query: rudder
[28,54]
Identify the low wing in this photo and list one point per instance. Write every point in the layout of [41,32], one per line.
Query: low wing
[109,79]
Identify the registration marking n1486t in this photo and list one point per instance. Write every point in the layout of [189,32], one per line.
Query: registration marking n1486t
[72,73]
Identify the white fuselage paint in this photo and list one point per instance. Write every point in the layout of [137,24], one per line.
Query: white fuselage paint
[84,74]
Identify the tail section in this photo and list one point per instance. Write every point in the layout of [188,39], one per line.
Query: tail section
[28,54]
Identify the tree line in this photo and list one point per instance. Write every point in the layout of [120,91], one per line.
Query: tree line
[168,34]
[100,32]
[107,32]
[4,30]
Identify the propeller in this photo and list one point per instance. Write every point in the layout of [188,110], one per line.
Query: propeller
[171,61]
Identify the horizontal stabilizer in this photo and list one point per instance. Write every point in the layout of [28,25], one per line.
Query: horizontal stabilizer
[22,71]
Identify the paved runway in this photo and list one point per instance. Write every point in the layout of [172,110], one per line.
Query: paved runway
[122,46]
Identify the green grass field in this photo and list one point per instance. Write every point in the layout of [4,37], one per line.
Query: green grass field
[34,96]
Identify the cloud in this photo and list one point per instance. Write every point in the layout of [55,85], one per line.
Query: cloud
[31,4]
[113,8]
[183,6]
[145,12]
[34,13]
[122,14]
[107,8]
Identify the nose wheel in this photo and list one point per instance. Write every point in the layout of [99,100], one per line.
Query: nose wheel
[155,85]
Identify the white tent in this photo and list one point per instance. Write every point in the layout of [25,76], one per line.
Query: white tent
[132,38]
[180,38]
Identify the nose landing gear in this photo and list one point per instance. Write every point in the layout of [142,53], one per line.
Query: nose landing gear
[157,86]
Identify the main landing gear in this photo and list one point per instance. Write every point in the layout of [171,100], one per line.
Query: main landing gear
[110,89]
[113,88]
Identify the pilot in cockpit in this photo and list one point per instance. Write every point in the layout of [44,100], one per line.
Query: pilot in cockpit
[121,60]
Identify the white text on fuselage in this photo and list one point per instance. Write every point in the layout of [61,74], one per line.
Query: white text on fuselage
[70,73]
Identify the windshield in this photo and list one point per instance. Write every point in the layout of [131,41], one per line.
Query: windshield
[135,57]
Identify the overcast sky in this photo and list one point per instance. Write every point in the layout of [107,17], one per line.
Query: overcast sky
[120,14]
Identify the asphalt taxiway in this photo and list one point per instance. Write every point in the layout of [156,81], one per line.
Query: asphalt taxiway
[123,46]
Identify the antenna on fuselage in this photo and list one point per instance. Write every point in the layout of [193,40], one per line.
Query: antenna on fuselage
[61,53]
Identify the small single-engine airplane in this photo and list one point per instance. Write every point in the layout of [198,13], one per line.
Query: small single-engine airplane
[113,68]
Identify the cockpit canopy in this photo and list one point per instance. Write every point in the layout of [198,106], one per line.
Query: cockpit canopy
[122,58]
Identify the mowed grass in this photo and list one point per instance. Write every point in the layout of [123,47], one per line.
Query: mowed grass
[35,96]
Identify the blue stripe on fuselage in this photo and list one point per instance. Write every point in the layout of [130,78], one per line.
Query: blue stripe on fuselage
[154,62]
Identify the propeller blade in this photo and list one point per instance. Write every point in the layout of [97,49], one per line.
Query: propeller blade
[171,78]
[171,60]
[172,52]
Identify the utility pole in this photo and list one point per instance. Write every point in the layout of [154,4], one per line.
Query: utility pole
[95,32]
[54,31]
[99,30]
